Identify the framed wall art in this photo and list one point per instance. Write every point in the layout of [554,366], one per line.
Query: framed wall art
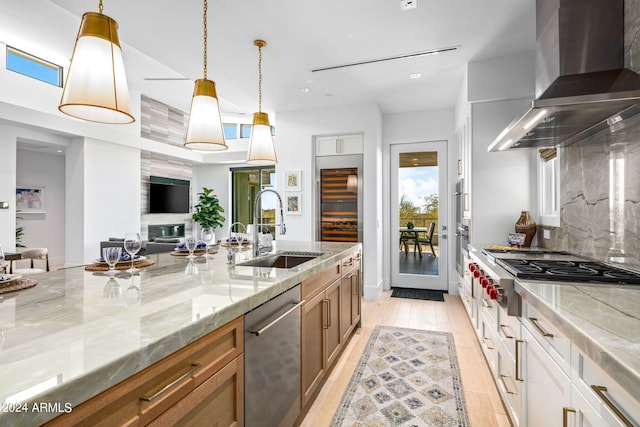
[294,204]
[30,199]
[293,180]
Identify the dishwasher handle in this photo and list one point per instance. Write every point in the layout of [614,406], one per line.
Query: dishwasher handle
[277,319]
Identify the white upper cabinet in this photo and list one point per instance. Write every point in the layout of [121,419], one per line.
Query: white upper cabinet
[339,145]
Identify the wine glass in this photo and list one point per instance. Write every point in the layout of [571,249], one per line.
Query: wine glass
[191,243]
[132,245]
[111,256]
[208,237]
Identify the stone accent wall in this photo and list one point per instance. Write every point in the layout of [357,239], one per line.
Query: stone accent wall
[600,183]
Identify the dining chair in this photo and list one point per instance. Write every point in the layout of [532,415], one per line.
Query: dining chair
[429,239]
[32,254]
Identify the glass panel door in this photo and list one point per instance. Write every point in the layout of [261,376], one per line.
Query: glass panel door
[418,220]
[247,183]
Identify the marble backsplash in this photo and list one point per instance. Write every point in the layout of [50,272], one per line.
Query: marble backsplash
[600,182]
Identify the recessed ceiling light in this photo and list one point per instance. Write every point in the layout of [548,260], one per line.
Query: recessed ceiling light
[415,75]
[305,90]
[59,151]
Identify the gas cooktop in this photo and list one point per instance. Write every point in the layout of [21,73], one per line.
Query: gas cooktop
[567,270]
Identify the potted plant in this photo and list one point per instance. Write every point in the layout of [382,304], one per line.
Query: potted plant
[208,212]
[410,225]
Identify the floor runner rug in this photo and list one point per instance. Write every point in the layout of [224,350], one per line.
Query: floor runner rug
[425,294]
[405,377]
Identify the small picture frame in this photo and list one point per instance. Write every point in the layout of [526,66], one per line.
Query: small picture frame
[294,204]
[516,239]
[293,180]
[30,198]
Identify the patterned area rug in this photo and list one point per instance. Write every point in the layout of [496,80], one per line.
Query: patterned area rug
[405,377]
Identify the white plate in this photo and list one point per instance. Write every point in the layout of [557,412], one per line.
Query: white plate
[6,278]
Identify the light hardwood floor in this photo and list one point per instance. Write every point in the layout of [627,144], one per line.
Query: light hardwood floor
[481,396]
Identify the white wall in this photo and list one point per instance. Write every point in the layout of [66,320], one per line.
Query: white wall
[111,193]
[8,187]
[44,230]
[294,147]
[421,126]
[501,182]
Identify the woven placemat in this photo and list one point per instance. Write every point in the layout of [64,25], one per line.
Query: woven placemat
[196,253]
[119,266]
[17,285]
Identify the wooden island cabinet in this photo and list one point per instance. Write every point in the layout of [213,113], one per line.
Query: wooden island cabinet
[202,381]
[328,319]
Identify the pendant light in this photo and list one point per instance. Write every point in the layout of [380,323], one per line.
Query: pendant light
[204,131]
[96,84]
[262,150]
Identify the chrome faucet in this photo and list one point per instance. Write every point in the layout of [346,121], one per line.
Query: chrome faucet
[256,226]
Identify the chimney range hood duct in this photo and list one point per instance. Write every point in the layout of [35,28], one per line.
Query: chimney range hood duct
[581,84]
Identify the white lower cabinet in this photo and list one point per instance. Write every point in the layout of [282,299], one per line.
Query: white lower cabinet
[547,387]
[614,406]
[543,378]
[581,413]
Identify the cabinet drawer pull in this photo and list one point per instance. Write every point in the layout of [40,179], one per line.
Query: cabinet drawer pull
[504,383]
[503,328]
[347,264]
[485,304]
[544,333]
[518,377]
[154,396]
[277,319]
[325,313]
[488,343]
[565,412]
[600,391]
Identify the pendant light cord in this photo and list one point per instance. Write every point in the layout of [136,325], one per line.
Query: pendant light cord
[100,7]
[259,78]
[205,39]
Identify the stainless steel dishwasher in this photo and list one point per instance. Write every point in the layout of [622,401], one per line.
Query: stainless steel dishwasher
[272,361]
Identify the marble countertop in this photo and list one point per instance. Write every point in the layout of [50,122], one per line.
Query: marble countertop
[77,333]
[603,321]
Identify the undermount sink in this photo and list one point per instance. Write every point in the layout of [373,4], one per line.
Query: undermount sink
[281,259]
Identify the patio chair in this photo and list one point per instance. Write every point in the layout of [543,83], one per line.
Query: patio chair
[429,239]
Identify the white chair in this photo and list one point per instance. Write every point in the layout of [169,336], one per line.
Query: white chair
[32,254]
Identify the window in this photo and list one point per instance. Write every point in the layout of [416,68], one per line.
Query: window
[230,130]
[246,184]
[31,66]
[245,131]
[549,185]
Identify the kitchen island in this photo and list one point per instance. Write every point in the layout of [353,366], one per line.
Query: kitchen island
[77,333]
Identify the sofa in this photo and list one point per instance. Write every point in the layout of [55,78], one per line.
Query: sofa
[159,245]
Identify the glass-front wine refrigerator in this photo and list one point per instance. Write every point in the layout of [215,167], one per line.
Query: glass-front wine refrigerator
[339,198]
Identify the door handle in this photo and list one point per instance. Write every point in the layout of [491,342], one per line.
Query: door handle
[277,319]
[154,396]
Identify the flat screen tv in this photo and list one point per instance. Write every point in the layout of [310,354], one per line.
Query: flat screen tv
[167,195]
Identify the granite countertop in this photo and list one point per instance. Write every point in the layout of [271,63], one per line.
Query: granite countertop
[603,321]
[77,333]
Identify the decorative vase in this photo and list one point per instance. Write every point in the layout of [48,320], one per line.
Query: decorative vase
[527,226]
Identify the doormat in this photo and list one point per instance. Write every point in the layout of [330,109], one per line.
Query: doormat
[405,377]
[425,294]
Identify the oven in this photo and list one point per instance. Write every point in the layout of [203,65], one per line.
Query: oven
[462,232]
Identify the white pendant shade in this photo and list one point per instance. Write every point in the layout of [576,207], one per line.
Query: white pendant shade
[262,150]
[96,85]
[204,131]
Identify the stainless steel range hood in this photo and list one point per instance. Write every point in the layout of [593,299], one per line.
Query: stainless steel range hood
[581,84]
